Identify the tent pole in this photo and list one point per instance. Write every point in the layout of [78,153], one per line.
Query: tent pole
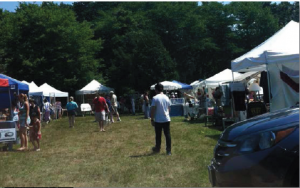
[9,103]
[232,101]
[269,81]
[206,98]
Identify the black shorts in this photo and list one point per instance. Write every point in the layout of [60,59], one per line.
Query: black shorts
[71,112]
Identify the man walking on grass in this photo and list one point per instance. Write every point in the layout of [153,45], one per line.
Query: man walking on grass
[100,106]
[160,118]
[114,105]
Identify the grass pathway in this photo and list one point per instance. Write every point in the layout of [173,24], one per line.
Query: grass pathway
[119,157]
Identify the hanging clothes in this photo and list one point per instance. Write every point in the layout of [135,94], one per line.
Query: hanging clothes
[239,98]
[225,99]
[264,84]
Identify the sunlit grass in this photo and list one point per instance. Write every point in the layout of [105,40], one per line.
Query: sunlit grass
[119,157]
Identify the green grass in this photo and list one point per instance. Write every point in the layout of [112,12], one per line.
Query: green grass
[119,157]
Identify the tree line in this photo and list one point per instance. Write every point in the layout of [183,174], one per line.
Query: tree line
[132,45]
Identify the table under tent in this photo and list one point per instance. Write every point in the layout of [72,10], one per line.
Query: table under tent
[206,106]
[85,96]
[278,58]
[8,128]
[175,90]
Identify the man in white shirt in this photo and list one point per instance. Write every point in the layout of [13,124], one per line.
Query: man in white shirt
[160,118]
[114,104]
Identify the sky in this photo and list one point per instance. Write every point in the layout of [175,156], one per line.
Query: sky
[12,5]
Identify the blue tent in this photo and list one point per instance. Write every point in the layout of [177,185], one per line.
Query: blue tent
[183,85]
[14,86]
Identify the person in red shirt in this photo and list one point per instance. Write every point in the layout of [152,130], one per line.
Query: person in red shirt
[100,107]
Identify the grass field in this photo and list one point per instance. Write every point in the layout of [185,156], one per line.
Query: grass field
[119,157]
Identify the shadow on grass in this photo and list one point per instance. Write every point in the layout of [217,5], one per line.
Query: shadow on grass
[143,155]
[140,118]
[194,121]
[215,137]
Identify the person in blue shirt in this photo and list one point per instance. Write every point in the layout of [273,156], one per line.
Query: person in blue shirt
[71,108]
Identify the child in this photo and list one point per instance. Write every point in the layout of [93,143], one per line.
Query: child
[36,133]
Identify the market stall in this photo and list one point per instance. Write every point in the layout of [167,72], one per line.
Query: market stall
[175,91]
[278,56]
[49,92]
[8,129]
[86,95]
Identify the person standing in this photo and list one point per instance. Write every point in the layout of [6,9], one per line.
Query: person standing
[34,110]
[114,104]
[100,106]
[132,104]
[146,106]
[58,109]
[15,113]
[36,133]
[47,106]
[160,118]
[110,115]
[24,120]
[71,108]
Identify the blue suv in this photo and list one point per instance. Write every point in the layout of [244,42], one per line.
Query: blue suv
[261,151]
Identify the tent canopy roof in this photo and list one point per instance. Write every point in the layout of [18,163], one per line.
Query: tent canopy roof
[282,46]
[168,85]
[183,85]
[32,86]
[47,90]
[223,76]
[93,87]
[12,81]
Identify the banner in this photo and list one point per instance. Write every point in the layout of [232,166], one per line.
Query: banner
[8,135]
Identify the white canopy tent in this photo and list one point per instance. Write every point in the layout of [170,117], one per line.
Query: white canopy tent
[93,87]
[223,76]
[49,90]
[33,88]
[279,55]
[168,85]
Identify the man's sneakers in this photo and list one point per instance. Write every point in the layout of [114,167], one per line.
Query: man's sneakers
[155,150]
[119,119]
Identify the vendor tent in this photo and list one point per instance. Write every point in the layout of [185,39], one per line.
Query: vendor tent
[49,91]
[279,55]
[93,87]
[168,85]
[14,86]
[105,89]
[33,89]
[183,85]
[283,46]
[223,76]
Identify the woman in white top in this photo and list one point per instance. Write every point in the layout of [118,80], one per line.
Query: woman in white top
[47,106]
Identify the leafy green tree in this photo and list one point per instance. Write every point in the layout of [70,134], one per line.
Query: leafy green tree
[284,11]
[254,23]
[133,55]
[46,44]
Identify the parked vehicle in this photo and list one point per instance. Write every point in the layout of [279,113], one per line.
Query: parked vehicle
[261,151]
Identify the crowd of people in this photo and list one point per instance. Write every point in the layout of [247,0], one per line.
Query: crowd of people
[29,117]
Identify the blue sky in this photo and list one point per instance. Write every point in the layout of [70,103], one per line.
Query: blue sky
[12,5]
